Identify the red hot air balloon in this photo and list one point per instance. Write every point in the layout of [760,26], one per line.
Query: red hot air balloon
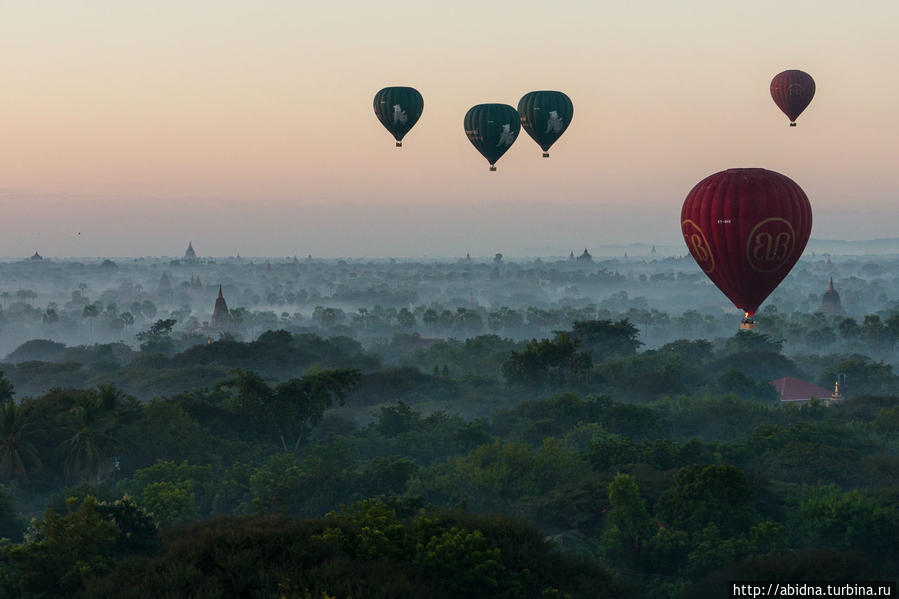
[746,228]
[792,91]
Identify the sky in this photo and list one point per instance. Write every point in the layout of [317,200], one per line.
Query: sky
[131,128]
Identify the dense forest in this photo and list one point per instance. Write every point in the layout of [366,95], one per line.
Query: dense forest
[462,429]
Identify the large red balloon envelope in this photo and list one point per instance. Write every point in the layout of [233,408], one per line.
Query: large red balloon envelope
[746,228]
[792,91]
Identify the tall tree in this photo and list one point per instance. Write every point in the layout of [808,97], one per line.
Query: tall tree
[18,456]
[547,362]
[291,409]
[90,422]
[607,340]
[90,312]
[6,389]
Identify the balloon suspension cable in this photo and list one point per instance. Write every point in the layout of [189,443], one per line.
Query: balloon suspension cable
[546,154]
[792,123]
[492,168]
[399,144]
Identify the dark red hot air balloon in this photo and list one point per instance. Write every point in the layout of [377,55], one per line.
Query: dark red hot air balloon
[746,228]
[792,91]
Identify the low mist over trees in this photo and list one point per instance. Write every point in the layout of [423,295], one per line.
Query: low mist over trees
[519,429]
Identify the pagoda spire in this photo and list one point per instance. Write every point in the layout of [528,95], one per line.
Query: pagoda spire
[830,287]
[220,315]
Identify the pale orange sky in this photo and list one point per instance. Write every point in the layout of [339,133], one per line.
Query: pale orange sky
[112,107]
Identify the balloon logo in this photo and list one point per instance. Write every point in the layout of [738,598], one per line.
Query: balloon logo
[746,228]
[698,246]
[398,109]
[792,91]
[770,244]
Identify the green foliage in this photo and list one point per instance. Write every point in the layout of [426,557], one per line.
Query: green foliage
[716,494]
[496,475]
[18,455]
[158,338]
[7,390]
[548,362]
[291,409]
[827,517]
[606,340]
[370,551]
[610,451]
[12,525]
[90,424]
[402,431]
[482,355]
[465,564]
[386,476]
[170,502]
[746,387]
[863,376]
[628,525]
[61,552]
[164,430]
[173,493]
[536,419]
[744,342]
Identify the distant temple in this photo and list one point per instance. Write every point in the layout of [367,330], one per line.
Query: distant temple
[571,257]
[165,285]
[190,254]
[585,257]
[830,302]
[36,257]
[795,391]
[220,315]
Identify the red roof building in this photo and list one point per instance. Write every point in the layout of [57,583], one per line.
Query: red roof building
[796,391]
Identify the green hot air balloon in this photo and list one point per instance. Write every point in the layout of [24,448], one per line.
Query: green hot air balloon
[545,115]
[398,109]
[492,129]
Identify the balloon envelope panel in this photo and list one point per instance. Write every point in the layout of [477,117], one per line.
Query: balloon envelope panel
[792,91]
[492,129]
[746,228]
[398,109]
[545,115]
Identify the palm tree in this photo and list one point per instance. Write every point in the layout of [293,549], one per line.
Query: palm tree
[90,312]
[17,455]
[89,450]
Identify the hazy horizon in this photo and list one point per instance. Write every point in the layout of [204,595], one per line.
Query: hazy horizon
[272,228]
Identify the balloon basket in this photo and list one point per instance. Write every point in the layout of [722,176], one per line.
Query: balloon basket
[546,154]
[747,324]
[399,144]
[492,168]
[792,124]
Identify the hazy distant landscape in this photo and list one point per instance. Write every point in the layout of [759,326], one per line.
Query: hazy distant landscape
[531,416]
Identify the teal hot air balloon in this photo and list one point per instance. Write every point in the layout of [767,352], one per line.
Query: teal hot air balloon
[492,129]
[398,109]
[545,115]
